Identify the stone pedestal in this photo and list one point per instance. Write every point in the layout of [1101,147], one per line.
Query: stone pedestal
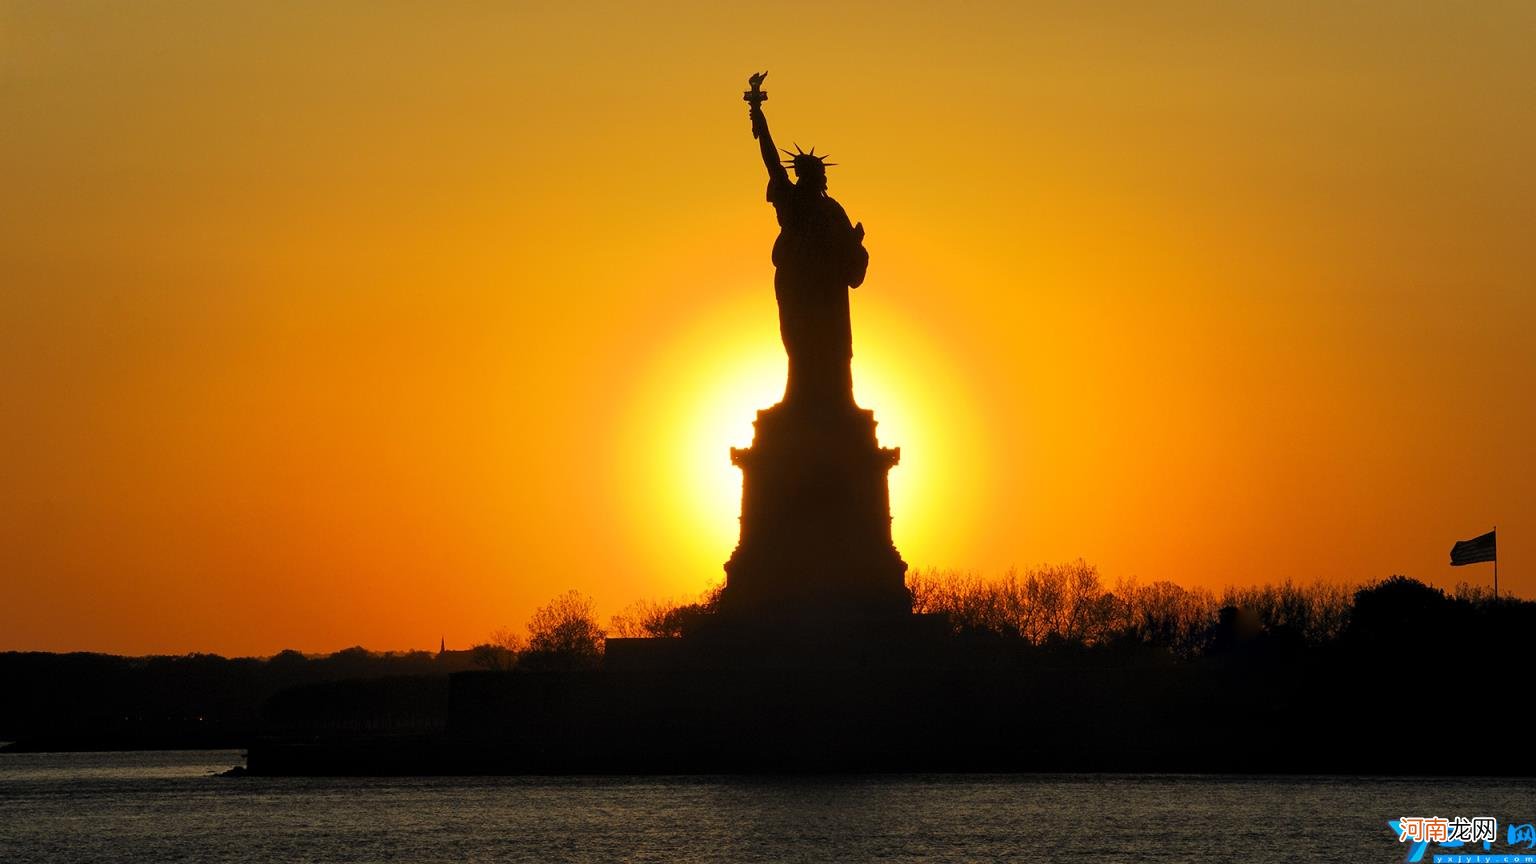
[815,541]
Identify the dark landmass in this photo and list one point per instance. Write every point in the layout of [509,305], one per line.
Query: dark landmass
[1414,682]
[84,701]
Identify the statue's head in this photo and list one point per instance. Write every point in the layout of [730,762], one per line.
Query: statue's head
[810,169]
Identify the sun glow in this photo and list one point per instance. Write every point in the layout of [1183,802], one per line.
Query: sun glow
[701,394]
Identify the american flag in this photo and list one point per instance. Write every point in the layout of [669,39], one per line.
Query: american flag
[1484,548]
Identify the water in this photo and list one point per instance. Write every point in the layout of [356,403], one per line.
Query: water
[167,807]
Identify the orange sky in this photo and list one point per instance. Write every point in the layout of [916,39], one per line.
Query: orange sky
[327,324]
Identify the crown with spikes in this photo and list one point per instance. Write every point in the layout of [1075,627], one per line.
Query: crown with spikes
[801,161]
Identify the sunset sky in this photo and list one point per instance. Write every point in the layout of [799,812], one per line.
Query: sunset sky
[326,324]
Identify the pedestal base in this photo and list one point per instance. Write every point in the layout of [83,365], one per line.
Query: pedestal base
[815,522]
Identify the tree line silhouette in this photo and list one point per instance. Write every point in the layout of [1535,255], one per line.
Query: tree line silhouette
[1068,604]
[1064,606]
[1054,626]
[91,701]
[1048,669]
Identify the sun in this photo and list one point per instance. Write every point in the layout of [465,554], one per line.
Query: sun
[700,394]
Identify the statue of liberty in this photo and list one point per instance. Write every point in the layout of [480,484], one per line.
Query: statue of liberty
[815,547]
[818,256]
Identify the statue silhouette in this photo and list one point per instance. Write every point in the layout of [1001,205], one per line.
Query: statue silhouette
[819,255]
[815,540]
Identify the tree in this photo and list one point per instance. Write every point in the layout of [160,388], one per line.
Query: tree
[501,652]
[565,632]
[1397,614]
[669,619]
[642,619]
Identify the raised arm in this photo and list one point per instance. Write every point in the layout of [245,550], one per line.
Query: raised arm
[765,144]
